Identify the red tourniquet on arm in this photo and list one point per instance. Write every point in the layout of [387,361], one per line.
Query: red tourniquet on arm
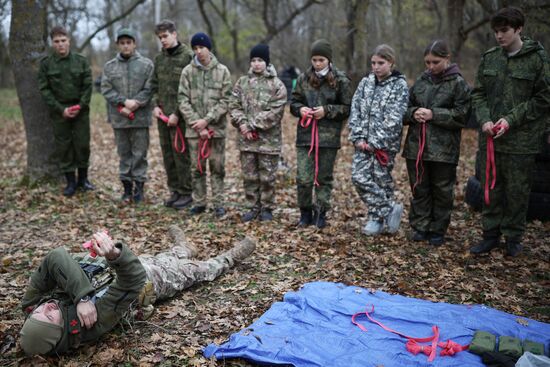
[204,149]
[449,348]
[314,145]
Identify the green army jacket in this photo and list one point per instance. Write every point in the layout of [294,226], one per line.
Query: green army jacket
[128,79]
[204,93]
[166,78]
[516,88]
[258,101]
[60,277]
[336,102]
[449,100]
[65,81]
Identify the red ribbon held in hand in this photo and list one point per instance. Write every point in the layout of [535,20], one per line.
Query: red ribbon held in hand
[490,165]
[90,247]
[314,145]
[419,161]
[204,149]
[130,116]
[179,139]
[74,108]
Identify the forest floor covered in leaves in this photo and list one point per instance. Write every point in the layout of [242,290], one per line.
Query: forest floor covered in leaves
[35,220]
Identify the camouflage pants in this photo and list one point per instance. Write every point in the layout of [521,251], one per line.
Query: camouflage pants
[373,183]
[132,145]
[305,175]
[216,163]
[259,176]
[432,199]
[177,165]
[172,271]
[72,141]
[509,200]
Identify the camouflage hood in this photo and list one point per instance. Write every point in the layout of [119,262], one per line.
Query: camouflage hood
[269,72]
[211,65]
[450,73]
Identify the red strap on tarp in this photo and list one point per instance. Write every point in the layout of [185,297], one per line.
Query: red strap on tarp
[305,122]
[204,149]
[419,162]
[449,348]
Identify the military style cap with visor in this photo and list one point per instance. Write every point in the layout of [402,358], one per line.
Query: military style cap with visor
[125,32]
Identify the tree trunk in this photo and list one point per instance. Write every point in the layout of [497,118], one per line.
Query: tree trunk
[26,49]
[356,44]
[455,29]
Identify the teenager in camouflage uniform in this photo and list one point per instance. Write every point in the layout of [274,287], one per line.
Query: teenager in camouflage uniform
[164,86]
[511,100]
[256,109]
[65,80]
[324,94]
[126,85]
[375,124]
[65,309]
[439,102]
[204,91]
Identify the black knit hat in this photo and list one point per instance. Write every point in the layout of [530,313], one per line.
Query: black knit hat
[322,47]
[201,39]
[261,50]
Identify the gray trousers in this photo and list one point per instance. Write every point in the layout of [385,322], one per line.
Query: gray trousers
[132,145]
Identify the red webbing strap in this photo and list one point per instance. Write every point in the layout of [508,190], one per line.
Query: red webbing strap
[490,167]
[419,161]
[449,347]
[314,144]
[382,156]
[204,149]
[179,141]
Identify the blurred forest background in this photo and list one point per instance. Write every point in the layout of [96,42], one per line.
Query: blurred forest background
[354,27]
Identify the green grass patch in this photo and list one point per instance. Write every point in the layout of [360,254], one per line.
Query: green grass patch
[9,106]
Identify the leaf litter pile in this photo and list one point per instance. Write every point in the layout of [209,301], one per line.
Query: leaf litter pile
[35,220]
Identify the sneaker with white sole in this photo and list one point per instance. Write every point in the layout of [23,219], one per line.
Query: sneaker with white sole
[373,228]
[393,220]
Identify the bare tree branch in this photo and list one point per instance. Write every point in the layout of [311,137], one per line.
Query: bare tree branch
[108,23]
[273,31]
[206,20]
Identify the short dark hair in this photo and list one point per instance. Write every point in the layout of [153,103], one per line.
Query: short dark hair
[58,31]
[165,26]
[438,48]
[509,16]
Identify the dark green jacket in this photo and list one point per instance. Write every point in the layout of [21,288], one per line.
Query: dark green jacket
[449,100]
[61,277]
[336,101]
[166,78]
[516,88]
[65,81]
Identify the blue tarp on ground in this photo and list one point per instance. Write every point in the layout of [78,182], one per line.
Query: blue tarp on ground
[312,327]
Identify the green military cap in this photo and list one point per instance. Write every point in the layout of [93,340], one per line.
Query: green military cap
[125,32]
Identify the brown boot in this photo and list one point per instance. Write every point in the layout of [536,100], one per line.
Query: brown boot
[241,250]
[178,237]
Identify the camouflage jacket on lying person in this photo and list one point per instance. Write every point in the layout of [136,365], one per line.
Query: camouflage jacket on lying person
[258,101]
[124,79]
[335,101]
[448,97]
[204,93]
[516,88]
[377,111]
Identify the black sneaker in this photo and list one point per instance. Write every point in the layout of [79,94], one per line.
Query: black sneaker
[419,236]
[266,215]
[172,199]
[436,240]
[197,210]
[182,202]
[219,212]
[249,215]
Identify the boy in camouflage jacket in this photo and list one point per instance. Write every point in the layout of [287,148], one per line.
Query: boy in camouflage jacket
[126,85]
[375,124]
[64,309]
[256,109]
[203,95]
[164,88]
[322,94]
[511,100]
[439,102]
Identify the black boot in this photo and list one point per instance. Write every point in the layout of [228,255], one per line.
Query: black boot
[83,183]
[128,188]
[319,218]
[70,189]
[138,191]
[489,242]
[513,246]
[306,217]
